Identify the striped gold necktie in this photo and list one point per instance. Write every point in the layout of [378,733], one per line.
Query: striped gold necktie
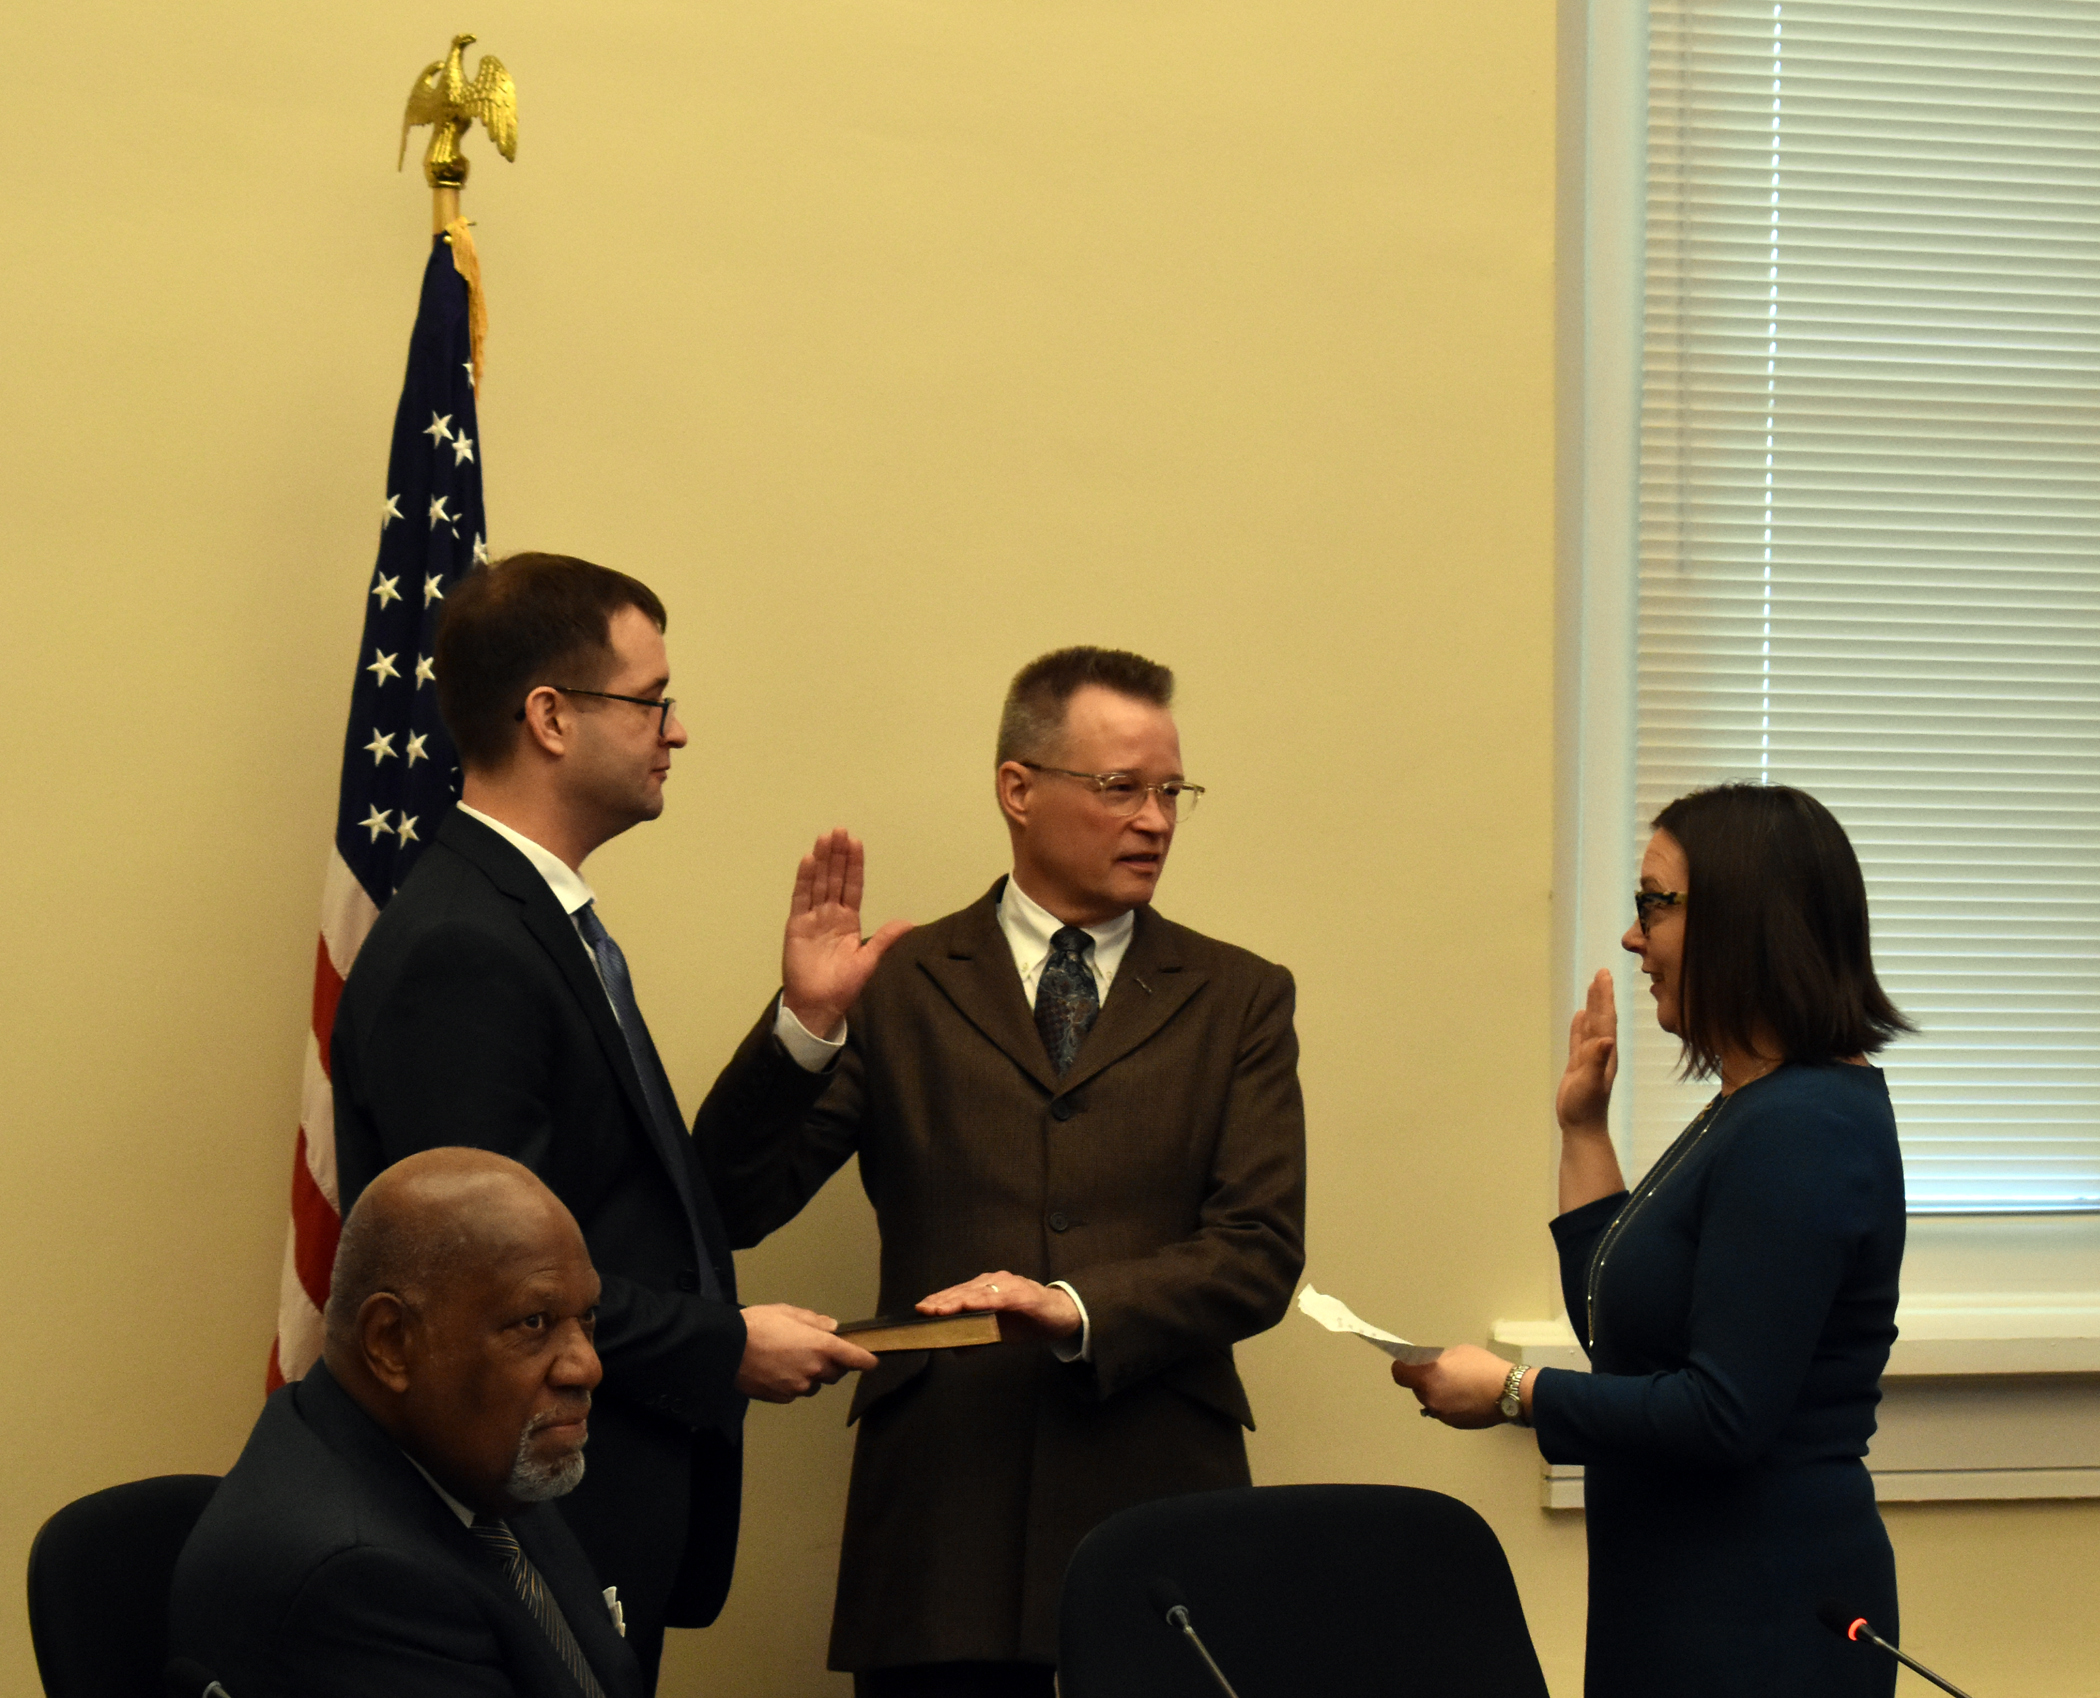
[502,1545]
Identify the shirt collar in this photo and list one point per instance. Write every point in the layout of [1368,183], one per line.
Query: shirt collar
[466,1515]
[1029,926]
[565,881]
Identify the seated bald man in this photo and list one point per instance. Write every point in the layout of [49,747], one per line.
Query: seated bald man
[387,1529]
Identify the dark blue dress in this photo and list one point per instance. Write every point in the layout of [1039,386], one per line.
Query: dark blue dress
[1738,1309]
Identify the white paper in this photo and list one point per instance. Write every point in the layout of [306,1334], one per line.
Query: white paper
[1336,1316]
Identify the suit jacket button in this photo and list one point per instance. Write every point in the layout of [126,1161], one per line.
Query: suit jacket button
[1058,1222]
[1061,1108]
[688,1280]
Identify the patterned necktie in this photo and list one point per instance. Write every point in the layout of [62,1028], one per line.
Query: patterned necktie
[1066,999]
[502,1546]
[619,990]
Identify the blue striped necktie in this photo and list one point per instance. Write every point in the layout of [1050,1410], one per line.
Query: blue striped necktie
[502,1546]
[619,990]
[664,1127]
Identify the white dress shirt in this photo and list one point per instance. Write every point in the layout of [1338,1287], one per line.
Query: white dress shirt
[1029,927]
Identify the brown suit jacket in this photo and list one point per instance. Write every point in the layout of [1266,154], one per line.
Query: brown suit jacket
[1164,1177]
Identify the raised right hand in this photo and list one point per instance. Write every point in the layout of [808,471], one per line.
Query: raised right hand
[825,963]
[1583,1102]
[790,1352]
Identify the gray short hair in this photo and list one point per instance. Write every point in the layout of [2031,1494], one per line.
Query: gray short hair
[1034,716]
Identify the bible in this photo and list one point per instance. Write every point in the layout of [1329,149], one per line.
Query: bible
[923,1332]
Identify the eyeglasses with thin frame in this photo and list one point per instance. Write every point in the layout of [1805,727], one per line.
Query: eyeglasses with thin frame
[1122,793]
[1647,903]
[663,705]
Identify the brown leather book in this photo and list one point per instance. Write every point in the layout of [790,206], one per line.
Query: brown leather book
[923,1332]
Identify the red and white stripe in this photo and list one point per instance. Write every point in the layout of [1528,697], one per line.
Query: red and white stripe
[347,914]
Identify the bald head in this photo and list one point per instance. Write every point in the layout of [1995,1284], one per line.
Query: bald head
[429,1218]
[461,1316]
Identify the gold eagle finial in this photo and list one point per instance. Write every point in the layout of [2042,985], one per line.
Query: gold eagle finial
[444,99]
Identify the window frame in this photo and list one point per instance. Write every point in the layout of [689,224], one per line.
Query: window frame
[2012,1299]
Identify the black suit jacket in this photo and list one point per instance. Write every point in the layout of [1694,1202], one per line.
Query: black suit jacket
[474,1015]
[326,1567]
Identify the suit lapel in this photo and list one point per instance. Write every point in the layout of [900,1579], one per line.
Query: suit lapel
[555,932]
[1152,985]
[557,935]
[976,973]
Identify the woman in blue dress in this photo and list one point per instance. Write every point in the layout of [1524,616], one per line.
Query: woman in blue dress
[1738,1305]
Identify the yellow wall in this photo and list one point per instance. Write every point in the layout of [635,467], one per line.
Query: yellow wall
[893,341]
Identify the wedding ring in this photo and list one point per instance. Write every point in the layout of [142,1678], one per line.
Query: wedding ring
[991,1288]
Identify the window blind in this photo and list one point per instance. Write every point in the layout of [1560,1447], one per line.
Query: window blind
[1870,526]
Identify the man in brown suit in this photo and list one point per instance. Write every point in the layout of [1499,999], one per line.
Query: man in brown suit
[1077,1113]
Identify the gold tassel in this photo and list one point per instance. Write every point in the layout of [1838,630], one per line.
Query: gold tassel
[468,264]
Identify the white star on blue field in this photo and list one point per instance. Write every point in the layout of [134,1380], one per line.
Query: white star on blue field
[400,773]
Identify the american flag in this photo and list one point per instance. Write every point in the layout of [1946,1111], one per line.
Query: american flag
[400,772]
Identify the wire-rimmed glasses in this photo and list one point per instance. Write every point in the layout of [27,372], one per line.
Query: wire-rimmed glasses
[1125,793]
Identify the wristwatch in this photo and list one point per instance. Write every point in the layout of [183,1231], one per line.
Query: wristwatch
[1512,1403]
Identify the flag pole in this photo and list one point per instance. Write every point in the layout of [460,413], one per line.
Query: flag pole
[399,773]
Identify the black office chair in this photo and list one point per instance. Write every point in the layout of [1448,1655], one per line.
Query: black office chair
[99,1574]
[1345,1591]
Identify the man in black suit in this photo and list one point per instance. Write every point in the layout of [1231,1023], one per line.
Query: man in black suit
[387,1528]
[490,1007]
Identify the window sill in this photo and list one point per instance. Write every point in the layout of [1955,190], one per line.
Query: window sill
[1983,1399]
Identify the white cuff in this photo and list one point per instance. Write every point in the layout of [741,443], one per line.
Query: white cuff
[1064,1349]
[812,1054]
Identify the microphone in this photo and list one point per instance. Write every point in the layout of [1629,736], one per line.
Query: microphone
[1847,1624]
[1167,1599]
[186,1679]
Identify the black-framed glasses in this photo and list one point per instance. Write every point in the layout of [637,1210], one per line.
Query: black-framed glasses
[1125,793]
[1648,903]
[663,706]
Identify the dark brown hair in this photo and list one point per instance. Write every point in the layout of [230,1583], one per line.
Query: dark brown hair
[1034,715]
[1775,930]
[528,620]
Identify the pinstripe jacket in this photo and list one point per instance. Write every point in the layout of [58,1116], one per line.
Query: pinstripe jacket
[1163,1177]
